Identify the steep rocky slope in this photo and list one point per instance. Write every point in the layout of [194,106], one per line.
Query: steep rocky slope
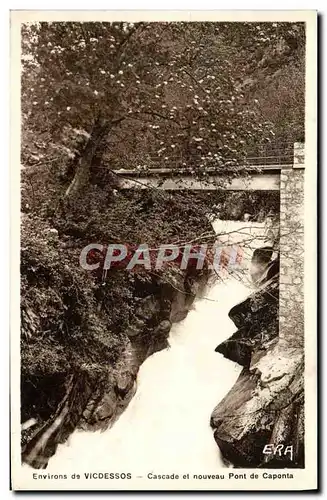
[266,404]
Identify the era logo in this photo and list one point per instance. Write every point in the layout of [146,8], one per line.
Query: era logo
[279,449]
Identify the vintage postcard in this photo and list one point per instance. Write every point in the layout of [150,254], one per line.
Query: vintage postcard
[164,249]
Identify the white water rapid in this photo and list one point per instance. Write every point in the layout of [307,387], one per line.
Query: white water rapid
[166,428]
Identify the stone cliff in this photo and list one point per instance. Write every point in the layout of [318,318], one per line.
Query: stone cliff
[266,404]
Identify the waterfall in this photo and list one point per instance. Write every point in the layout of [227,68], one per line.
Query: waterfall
[165,428]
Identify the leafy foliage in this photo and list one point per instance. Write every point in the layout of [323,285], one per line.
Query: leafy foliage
[58,305]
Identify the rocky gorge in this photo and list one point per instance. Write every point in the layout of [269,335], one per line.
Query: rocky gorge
[264,407]
[93,399]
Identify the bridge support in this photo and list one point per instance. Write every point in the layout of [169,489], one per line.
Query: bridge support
[291,300]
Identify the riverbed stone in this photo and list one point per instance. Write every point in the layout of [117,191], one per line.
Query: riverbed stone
[105,408]
[164,327]
[124,382]
[257,322]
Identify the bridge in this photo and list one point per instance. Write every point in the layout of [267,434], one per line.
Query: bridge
[262,173]
[277,172]
[267,179]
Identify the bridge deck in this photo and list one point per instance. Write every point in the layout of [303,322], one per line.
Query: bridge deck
[262,169]
[269,182]
[255,178]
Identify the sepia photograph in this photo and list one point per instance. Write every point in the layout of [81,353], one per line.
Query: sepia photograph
[165,177]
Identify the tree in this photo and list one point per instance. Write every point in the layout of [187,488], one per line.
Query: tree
[140,95]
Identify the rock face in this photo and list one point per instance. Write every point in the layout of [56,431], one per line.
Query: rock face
[257,321]
[265,406]
[93,402]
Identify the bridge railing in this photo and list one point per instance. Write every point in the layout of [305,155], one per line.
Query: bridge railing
[265,156]
[272,154]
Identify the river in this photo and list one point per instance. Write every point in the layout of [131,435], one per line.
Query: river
[166,425]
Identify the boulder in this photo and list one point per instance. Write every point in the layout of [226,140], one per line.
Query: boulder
[105,408]
[124,382]
[259,262]
[265,406]
[163,328]
[257,321]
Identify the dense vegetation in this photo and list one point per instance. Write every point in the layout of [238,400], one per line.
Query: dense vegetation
[103,96]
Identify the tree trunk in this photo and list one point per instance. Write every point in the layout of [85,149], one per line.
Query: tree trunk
[82,175]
